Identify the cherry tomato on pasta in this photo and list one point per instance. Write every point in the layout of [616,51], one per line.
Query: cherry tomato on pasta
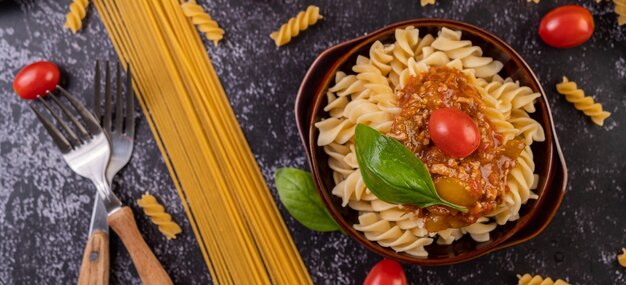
[35,79]
[453,132]
[566,26]
[386,272]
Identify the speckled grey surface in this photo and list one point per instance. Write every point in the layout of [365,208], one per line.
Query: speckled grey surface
[45,208]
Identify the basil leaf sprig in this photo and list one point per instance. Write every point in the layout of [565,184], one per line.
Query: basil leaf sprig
[297,192]
[393,173]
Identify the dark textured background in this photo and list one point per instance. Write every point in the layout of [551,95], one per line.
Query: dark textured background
[45,208]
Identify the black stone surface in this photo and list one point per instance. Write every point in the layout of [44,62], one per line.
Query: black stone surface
[45,208]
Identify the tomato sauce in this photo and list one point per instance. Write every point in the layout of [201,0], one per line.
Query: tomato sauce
[477,181]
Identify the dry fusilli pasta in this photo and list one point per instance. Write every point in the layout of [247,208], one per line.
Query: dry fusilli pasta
[157,214]
[205,23]
[295,25]
[582,102]
[622,258]
[527,279]
[74,18]
[426,2]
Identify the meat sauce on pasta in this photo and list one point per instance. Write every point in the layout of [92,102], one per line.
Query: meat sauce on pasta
[477,181]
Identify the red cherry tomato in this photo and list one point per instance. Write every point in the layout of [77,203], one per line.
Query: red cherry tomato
[386,272]
[454,132]
[35,79]
[566,26]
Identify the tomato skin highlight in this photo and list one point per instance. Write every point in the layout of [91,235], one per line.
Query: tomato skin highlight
[36,79]
[453,132]
[386,272]
[566,26]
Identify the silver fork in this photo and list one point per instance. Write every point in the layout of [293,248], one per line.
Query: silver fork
[87,151]
[121,135]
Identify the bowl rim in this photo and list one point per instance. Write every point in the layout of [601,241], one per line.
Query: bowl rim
[553,149]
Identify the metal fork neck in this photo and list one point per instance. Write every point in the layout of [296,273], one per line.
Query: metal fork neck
[111,203]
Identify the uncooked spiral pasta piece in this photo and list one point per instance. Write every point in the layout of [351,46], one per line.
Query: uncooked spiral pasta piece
[528,279]
[620,10]
[582,102]
[427,2]
[621,259]
[157,214]
[536,1]
[205,23]
[74,18]
[295,25]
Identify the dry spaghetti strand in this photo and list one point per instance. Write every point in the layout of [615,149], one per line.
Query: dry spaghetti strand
[233,215]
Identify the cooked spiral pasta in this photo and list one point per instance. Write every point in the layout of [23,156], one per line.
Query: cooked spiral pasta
[295,25]
[157,214]
[621,259]
[205,23]
[450,42]
[528,279]
[74,18]
[582,102]
[370,96]
[620,10]
[389,235]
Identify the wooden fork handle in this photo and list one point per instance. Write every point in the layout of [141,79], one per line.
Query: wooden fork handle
[95,267]
[148,266]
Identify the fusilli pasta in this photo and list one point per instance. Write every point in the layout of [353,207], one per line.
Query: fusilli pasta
[74,18]
[205,23]
[581,102]
[622,258]
[369,97]
[427,2]
[528,279]
[295,25]
[157,214]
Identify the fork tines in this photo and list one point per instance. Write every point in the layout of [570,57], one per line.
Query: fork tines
[73,131]
[124,107]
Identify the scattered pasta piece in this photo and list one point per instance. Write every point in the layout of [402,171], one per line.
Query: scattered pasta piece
[74,18]
[157,214]
[205,23]
[582,102]
[620,10]
[427,2]
[527,279]
[622,258]
[295,25]
[536,1]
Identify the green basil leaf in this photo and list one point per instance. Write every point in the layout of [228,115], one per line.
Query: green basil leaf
[393,173]
[297,192]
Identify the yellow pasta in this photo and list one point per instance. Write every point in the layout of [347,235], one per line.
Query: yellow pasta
[427,2]
[528,279]
[74,18]
[622,258]
[205,23]
[239,229]
[581,102]
[157,214]
[536,1]
[295,25]
[620,10]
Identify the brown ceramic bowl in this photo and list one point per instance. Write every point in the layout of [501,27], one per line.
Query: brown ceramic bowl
[550,165]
